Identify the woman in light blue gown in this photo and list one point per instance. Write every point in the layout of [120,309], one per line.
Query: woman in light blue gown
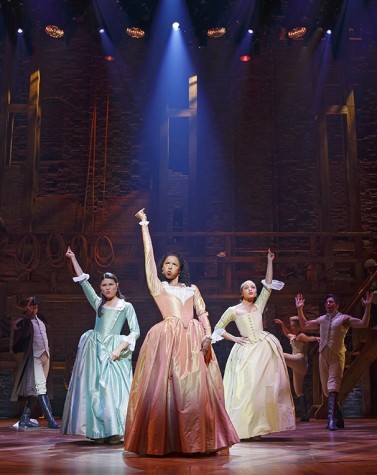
[99,388]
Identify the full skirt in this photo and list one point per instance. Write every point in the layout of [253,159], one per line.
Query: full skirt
[98,392]
[257,389]
[177,398]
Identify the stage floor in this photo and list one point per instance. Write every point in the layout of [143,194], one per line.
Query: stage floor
[309,450]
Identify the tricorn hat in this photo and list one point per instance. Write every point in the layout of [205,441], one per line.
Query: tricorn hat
[25,302]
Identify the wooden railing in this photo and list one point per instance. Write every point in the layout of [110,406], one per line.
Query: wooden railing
[225,256]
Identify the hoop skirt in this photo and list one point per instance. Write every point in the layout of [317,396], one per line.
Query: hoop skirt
[257,389]
[97,397]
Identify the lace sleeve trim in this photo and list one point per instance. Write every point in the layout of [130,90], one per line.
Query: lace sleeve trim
[275,284]
[81,277]
[217,334]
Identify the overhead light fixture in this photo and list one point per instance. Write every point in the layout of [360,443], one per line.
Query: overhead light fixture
[135,32]
[102,30]
[20,31]
[54,31]
[297,33]
[217,32]
[175,25]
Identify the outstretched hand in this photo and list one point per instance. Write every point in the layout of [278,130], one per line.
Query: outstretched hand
[270,255]
[141,215]
[278,321]
[368,299]
[300,301]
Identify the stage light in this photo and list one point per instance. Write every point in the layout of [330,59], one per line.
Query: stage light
[54,31]
[250,31]
[20,31]
[109,58]
[245,58]
[328,32]
[175,25]
[135,32]
[102,31]
[297,32]
[216,32]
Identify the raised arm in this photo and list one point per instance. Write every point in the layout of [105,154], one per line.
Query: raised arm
[269,270]
[364,322]
[310,325]
[150,265]
[82,278]
[76,266]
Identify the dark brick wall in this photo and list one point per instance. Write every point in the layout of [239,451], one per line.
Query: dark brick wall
[258,168]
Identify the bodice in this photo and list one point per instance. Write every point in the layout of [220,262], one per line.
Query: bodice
[176,302]
[249,324]
[298,347]
[112,319]
[173,301]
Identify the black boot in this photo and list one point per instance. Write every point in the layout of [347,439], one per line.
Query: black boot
[339,417]
[25,418]
[302,404]
[331,411]
[46,408]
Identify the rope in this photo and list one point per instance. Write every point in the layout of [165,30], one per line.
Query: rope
[79,245]
[101,258]
[28,253]
[55,250]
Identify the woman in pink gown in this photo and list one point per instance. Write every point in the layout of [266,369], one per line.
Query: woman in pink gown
[176,402]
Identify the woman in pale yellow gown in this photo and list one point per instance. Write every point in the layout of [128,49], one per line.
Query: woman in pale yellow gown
[176,402]
[256,382]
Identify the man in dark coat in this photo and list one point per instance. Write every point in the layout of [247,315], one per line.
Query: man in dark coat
[30,337]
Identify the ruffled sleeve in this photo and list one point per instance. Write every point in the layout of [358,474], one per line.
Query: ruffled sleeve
[275,284]
[133,325]
[266,292]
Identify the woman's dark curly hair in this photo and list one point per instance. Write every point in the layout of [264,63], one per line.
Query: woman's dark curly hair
[184,275]
[109,275]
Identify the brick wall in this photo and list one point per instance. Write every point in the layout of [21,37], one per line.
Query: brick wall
[258,166]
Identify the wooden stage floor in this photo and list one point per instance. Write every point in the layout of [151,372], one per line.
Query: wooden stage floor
[309,450]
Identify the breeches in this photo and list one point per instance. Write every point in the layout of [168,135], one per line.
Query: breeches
[41,369]
[299,365]
[331,367]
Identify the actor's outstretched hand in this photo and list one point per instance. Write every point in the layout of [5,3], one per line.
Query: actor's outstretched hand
[300,301]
